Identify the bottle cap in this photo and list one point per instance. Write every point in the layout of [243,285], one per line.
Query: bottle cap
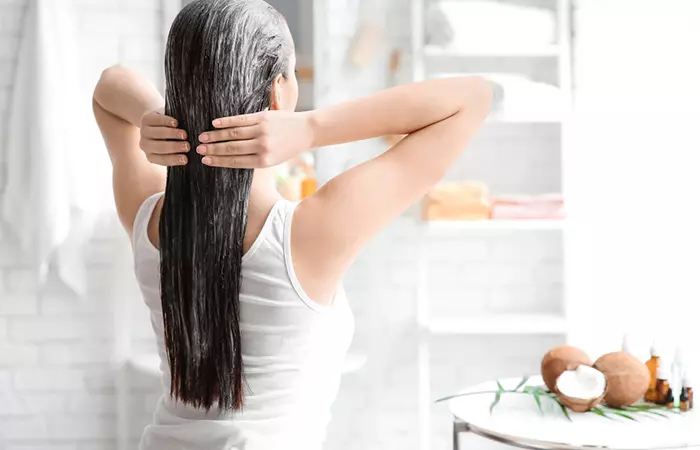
[680,354]
[655,349]
[687,380]
[627,343]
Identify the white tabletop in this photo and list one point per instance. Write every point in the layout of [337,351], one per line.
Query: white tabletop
[517,421]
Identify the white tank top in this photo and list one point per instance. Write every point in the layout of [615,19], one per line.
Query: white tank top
[293,351]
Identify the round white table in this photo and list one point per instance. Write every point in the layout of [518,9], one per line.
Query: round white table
[516,421]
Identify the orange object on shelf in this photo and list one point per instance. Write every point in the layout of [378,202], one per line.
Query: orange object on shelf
[308,186]
[457,201]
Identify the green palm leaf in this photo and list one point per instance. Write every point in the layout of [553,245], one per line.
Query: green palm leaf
[536,396]
[600,412]
[621,414]
[500,388]
[565,411]
[522,382]
[496,399]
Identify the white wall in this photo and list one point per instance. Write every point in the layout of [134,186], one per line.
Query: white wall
[56,375]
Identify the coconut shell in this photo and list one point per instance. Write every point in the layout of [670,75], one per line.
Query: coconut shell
[578,404]
[560,359]
[627,378]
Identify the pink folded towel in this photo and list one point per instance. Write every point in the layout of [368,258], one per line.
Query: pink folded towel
[549,206]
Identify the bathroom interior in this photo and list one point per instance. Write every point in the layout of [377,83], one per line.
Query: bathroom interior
[571,219]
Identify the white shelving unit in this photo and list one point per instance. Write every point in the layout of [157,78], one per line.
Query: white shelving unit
[423,56]
[438,226]
[499,324]
[544,51]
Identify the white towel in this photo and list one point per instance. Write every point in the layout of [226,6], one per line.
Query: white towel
[58,174]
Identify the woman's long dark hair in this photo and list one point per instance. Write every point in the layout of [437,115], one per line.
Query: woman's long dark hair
[221,60]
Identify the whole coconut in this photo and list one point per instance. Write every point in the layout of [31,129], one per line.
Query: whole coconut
[627,377]
[560,359]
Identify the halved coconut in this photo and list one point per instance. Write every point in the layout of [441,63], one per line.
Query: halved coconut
[581,389]
[560,359]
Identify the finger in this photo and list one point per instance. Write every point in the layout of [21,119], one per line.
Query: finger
[164,147]
[232,134]
[234,162]
[163,133]
[158,120]
[244,120]
[168,160]
[231,148]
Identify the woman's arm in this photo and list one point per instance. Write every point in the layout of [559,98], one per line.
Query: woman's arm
[121,98]
[331,227]
[400,110]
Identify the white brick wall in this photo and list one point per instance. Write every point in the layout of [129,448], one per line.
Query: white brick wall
[57,375]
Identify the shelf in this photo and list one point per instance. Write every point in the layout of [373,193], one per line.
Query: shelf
[486,225]
[500,324]
[546,51]
[502,119]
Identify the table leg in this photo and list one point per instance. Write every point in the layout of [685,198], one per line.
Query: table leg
[458,427]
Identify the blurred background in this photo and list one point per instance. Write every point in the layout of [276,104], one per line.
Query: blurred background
[578,207]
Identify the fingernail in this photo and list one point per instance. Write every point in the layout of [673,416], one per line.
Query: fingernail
[217,122]
[183,135]
[203,138]
[186,147]
[201,149]
[206,160]
[173,123]
[182,160]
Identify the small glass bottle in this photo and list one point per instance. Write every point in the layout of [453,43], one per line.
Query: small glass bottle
[652,367]
[677,371]
[686,395]
[670,402]
[663,387]
[309,184]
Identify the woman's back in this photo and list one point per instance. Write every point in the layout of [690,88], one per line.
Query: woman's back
[293,350]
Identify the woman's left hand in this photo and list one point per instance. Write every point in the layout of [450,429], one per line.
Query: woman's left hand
[162,142]
[257,140]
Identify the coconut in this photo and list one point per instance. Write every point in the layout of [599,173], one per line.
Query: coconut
[627,378]
[581,389]
[560,359]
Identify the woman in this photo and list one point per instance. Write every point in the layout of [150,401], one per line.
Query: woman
[244,288]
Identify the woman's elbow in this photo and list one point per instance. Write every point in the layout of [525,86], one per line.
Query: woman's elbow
[480,98]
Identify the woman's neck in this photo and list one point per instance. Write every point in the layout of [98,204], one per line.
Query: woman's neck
[263,191]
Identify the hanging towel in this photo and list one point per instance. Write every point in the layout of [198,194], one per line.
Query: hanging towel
[57,173]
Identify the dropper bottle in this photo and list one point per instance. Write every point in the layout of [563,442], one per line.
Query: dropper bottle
[677,371]
[686,403]
[653,367]
[663,387]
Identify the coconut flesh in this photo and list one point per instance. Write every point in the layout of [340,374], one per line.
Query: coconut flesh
[581,389]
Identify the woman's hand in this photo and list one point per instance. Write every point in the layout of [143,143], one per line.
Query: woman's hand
[256,140]
[162,141]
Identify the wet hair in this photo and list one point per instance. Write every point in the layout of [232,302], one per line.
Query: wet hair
[221,59]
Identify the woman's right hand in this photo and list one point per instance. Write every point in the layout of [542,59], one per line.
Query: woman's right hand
[257,140]
[162,142]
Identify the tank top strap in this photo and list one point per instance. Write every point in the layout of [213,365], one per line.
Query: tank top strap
[143,217]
